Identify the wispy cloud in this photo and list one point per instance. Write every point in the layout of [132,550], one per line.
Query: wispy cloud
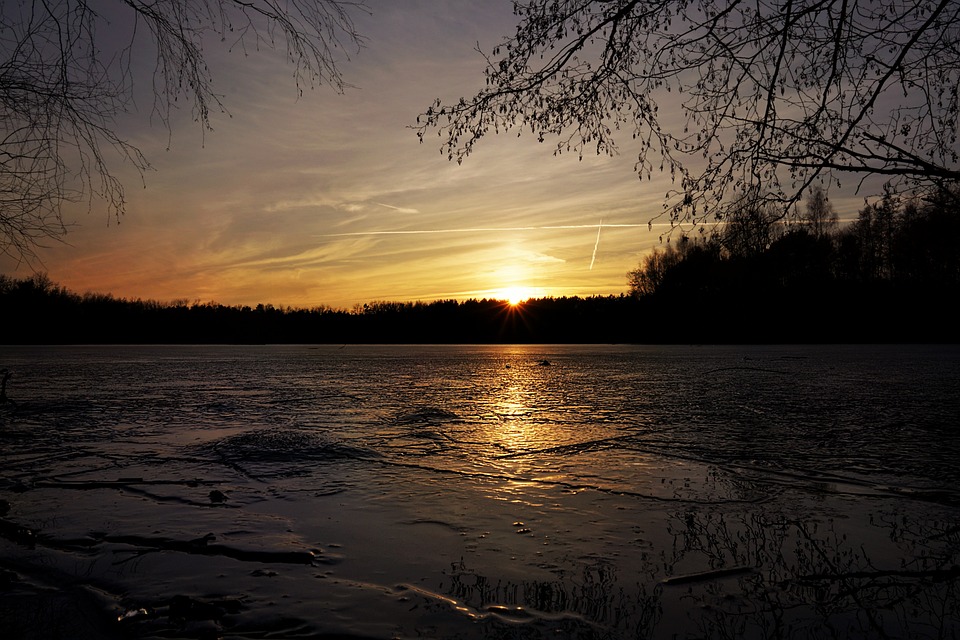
[407,232]
[329,198]
[542,258]
[398,209]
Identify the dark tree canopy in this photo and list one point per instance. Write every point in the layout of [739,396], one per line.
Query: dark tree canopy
[766,97]
[66,74]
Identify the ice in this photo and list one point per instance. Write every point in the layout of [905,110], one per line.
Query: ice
[382,492]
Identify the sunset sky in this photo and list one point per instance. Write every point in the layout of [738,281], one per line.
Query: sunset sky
[329,199]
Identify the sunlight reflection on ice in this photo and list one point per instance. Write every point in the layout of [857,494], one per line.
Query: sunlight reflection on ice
[477,492]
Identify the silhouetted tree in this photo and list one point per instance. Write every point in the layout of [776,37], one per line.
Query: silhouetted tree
[66,73]
[729,97]
[698,274]
[819,214]
[648,277]
[751,227]
[912,242]
[874,231]
[800,258]
[850,285]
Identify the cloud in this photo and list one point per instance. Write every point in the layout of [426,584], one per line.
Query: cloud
[407,232]
[399,209]
[542,258]
[306,200]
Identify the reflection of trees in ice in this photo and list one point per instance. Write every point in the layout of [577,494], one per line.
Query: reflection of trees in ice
[595,594]
[814,579]
[793,578]
[715,477]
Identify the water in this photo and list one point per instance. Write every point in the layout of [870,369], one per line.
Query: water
[480,492]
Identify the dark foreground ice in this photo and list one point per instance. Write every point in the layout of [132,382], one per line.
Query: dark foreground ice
[480,492]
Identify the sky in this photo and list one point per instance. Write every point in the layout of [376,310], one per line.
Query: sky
[329,199]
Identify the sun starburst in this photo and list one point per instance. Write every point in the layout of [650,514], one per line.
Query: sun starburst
[516,295]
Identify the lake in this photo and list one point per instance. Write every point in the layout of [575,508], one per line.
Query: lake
[480,492]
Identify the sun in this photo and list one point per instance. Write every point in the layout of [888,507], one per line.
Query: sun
[516,295]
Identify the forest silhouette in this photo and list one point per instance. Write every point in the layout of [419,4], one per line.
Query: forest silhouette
[893,275]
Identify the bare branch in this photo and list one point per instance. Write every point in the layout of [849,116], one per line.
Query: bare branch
[775,96]
[62,86]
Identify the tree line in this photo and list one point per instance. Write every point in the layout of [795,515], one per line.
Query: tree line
[893,275]
[38,311]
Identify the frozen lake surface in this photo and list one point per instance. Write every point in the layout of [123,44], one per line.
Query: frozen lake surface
[480,492]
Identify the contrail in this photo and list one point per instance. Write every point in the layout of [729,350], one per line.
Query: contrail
[596,245]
